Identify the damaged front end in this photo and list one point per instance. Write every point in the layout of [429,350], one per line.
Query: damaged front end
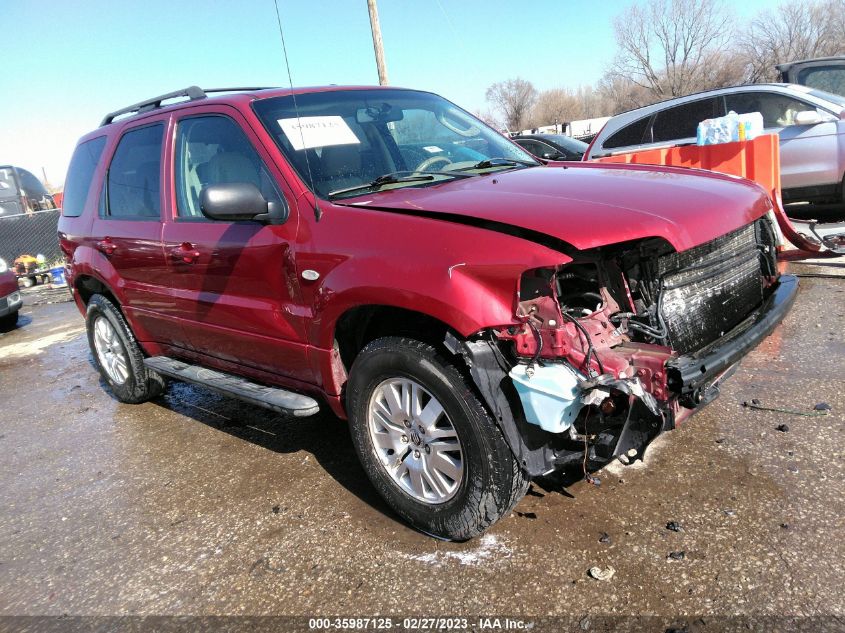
[623,343]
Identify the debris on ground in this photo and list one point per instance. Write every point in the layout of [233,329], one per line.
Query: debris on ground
[674,526]
[527,515]
[783,428]
[605,538]
[276,509]
[822,406]
[730,513]
[677,555]
[593,480]
[601,574]
[792,468]
[785,526]
[719,440]
[807,414]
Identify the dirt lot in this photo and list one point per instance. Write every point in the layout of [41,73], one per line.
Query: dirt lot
[199,505]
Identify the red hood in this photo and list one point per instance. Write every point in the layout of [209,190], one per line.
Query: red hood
[590,205]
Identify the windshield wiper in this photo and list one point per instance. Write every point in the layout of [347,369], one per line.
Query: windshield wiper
[397,177]
[489,163]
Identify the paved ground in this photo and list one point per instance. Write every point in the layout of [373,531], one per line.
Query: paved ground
[196,504]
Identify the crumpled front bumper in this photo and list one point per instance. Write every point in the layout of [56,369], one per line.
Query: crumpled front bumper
[689,375]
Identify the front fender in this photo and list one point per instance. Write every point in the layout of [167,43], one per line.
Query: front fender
[464,276]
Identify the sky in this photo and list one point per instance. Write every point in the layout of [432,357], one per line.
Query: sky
[68,62]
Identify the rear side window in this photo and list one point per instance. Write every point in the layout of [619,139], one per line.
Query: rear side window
[79,175]
[629,135]
[682,121]
[133,188]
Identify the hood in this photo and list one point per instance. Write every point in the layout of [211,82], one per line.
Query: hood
[591,204]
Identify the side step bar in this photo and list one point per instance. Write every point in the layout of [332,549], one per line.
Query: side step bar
[272,398]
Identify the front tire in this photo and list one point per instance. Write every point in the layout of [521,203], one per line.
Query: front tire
[117,355]
[427,443]
[9,322]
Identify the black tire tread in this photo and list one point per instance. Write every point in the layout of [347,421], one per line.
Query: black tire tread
[143,384]
[506,481]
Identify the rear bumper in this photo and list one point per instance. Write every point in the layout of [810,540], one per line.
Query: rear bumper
[689,374]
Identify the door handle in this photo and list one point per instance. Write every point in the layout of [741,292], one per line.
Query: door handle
[185,253]
[106,246]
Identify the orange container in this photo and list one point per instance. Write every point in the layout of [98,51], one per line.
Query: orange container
[757,160]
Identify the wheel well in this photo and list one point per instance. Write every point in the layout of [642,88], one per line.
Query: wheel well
[87,287]
[363,324]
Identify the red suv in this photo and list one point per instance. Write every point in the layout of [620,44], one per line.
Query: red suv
[479,316]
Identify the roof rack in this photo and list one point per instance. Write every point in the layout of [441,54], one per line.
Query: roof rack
[193,93]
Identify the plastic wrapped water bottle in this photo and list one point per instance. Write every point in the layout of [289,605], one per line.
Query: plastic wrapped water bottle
[729,128]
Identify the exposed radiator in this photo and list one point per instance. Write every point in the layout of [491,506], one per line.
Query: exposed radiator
[708,290]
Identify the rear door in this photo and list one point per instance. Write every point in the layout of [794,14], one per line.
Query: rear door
[234,283]
[127,230]
[808,153]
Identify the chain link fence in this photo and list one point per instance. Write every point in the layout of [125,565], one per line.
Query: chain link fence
[30,234]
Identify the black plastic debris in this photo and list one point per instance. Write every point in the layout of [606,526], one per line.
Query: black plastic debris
[785,526]
[527,515]
[822,406]
[755,401]
[674,526]
[719,440]
[605,538]
[677,555]
[783,428]
[276,509]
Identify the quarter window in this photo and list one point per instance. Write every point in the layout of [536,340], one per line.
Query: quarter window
[213,150]
[79,176]
[134,182]
[629,135]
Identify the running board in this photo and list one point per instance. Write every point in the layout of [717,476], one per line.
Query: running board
[272,398]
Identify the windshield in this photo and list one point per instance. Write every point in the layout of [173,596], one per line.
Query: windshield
[348,139]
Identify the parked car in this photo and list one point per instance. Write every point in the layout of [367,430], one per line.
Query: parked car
[21,192]
[821,73]
[479,318]
[10,297]
[552,146]
[812,134]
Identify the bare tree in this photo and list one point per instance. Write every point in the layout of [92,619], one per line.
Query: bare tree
[664,45]
[557,105]
[793,31]
[514,99]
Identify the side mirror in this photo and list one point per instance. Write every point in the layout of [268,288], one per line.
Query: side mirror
[807,117]
[233,201]
[554,155]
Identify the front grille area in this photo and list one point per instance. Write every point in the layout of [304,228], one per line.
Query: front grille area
[708,290]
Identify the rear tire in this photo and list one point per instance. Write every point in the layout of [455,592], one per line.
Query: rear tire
[117,355]
[456,499]
[9,321]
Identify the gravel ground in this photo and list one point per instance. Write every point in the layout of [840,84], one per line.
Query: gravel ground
[197,505]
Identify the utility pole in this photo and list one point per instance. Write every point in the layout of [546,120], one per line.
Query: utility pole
[377,45]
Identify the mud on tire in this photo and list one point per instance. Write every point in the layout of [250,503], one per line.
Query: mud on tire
[141,384]
[492,481]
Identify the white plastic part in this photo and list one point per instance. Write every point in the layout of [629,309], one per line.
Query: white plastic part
[550,396]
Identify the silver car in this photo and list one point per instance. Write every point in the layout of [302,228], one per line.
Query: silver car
[811,125]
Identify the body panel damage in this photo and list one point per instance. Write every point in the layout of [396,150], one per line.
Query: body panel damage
[624,342]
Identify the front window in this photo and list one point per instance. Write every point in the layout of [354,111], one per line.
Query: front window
[342,141]
[778,109]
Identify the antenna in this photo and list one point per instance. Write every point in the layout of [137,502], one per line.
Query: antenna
[318,213]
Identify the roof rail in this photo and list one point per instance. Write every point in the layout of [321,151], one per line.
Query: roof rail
[194,93]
